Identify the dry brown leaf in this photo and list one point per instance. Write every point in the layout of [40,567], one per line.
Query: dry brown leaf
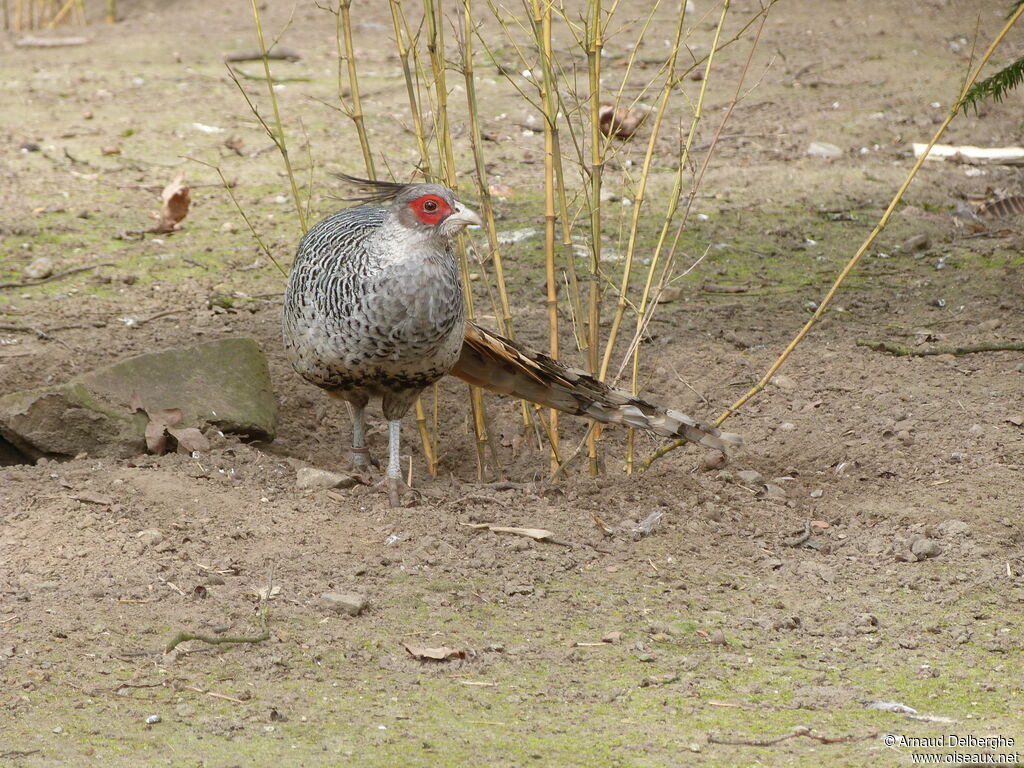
[156,429]
[177,197]
[444,653]
[619,121]
[189,439]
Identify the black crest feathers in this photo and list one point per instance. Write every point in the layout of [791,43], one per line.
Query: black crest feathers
[370,190]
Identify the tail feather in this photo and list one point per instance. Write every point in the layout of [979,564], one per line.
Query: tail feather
[503,366]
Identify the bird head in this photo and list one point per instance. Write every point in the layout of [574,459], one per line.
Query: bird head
[427,208]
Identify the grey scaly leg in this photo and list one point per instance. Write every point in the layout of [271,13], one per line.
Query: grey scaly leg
[360,453]
[394,473]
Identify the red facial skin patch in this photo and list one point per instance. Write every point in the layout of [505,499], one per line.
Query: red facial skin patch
[430,209]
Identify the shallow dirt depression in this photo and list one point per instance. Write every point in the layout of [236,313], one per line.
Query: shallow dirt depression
[864,548]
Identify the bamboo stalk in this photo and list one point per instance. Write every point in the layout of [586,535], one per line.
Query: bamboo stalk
[403,33]
[868,241]
[442,132]
[670,213]
[355,112]
[111,15]
[486,204]
[594,47]
[279,137]
[541,18]
[639,194]
[58,16]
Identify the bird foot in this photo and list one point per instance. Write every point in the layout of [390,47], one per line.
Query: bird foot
[397,489]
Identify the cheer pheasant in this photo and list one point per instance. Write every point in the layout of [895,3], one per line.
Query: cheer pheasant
[374,308]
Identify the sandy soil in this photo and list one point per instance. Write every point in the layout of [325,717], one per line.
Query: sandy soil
[750,610]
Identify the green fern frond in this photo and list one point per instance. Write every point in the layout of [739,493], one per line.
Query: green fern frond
[996,87]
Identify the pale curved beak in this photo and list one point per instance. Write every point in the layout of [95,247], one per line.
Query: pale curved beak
[462,216]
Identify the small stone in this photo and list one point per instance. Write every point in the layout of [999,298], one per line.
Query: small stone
[153,719]
[149,537]
[712,460]
[612,637]
[310,478]
[824,149]
[923,548]
[750,477]
[954,528]
[787,426]
[976,430]
[817,493]
[784,382]
[718,638]
[39,268]
[772,491]
[865,623]
[348,603]
[916,243]
[58,729]
[518,589]
[662,628]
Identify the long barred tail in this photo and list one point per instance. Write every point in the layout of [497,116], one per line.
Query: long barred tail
[508,368]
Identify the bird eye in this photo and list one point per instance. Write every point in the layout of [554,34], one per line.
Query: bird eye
[430,206]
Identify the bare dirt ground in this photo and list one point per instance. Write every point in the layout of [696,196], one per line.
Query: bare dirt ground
[731,626]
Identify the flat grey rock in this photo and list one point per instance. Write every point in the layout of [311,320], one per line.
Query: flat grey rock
[223,384]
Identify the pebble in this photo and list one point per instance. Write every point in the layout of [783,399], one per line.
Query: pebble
[817,493]
[824,149]
[712,460]
[916,243]
[750,477]
[866,622]
[662,628]
[923,548]
[150,537]
[976,430]
[612,637]
[772,491]
[39,268]
[153,719]
[787,426]
[310,478]
[784,382]
[348,603]
[518,589]
[954,528]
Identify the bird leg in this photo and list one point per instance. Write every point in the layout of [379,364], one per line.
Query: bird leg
[361,458]
[393,478]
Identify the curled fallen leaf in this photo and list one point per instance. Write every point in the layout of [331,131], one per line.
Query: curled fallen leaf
[620,122]
[164,424]
[177,197]
[444,653]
